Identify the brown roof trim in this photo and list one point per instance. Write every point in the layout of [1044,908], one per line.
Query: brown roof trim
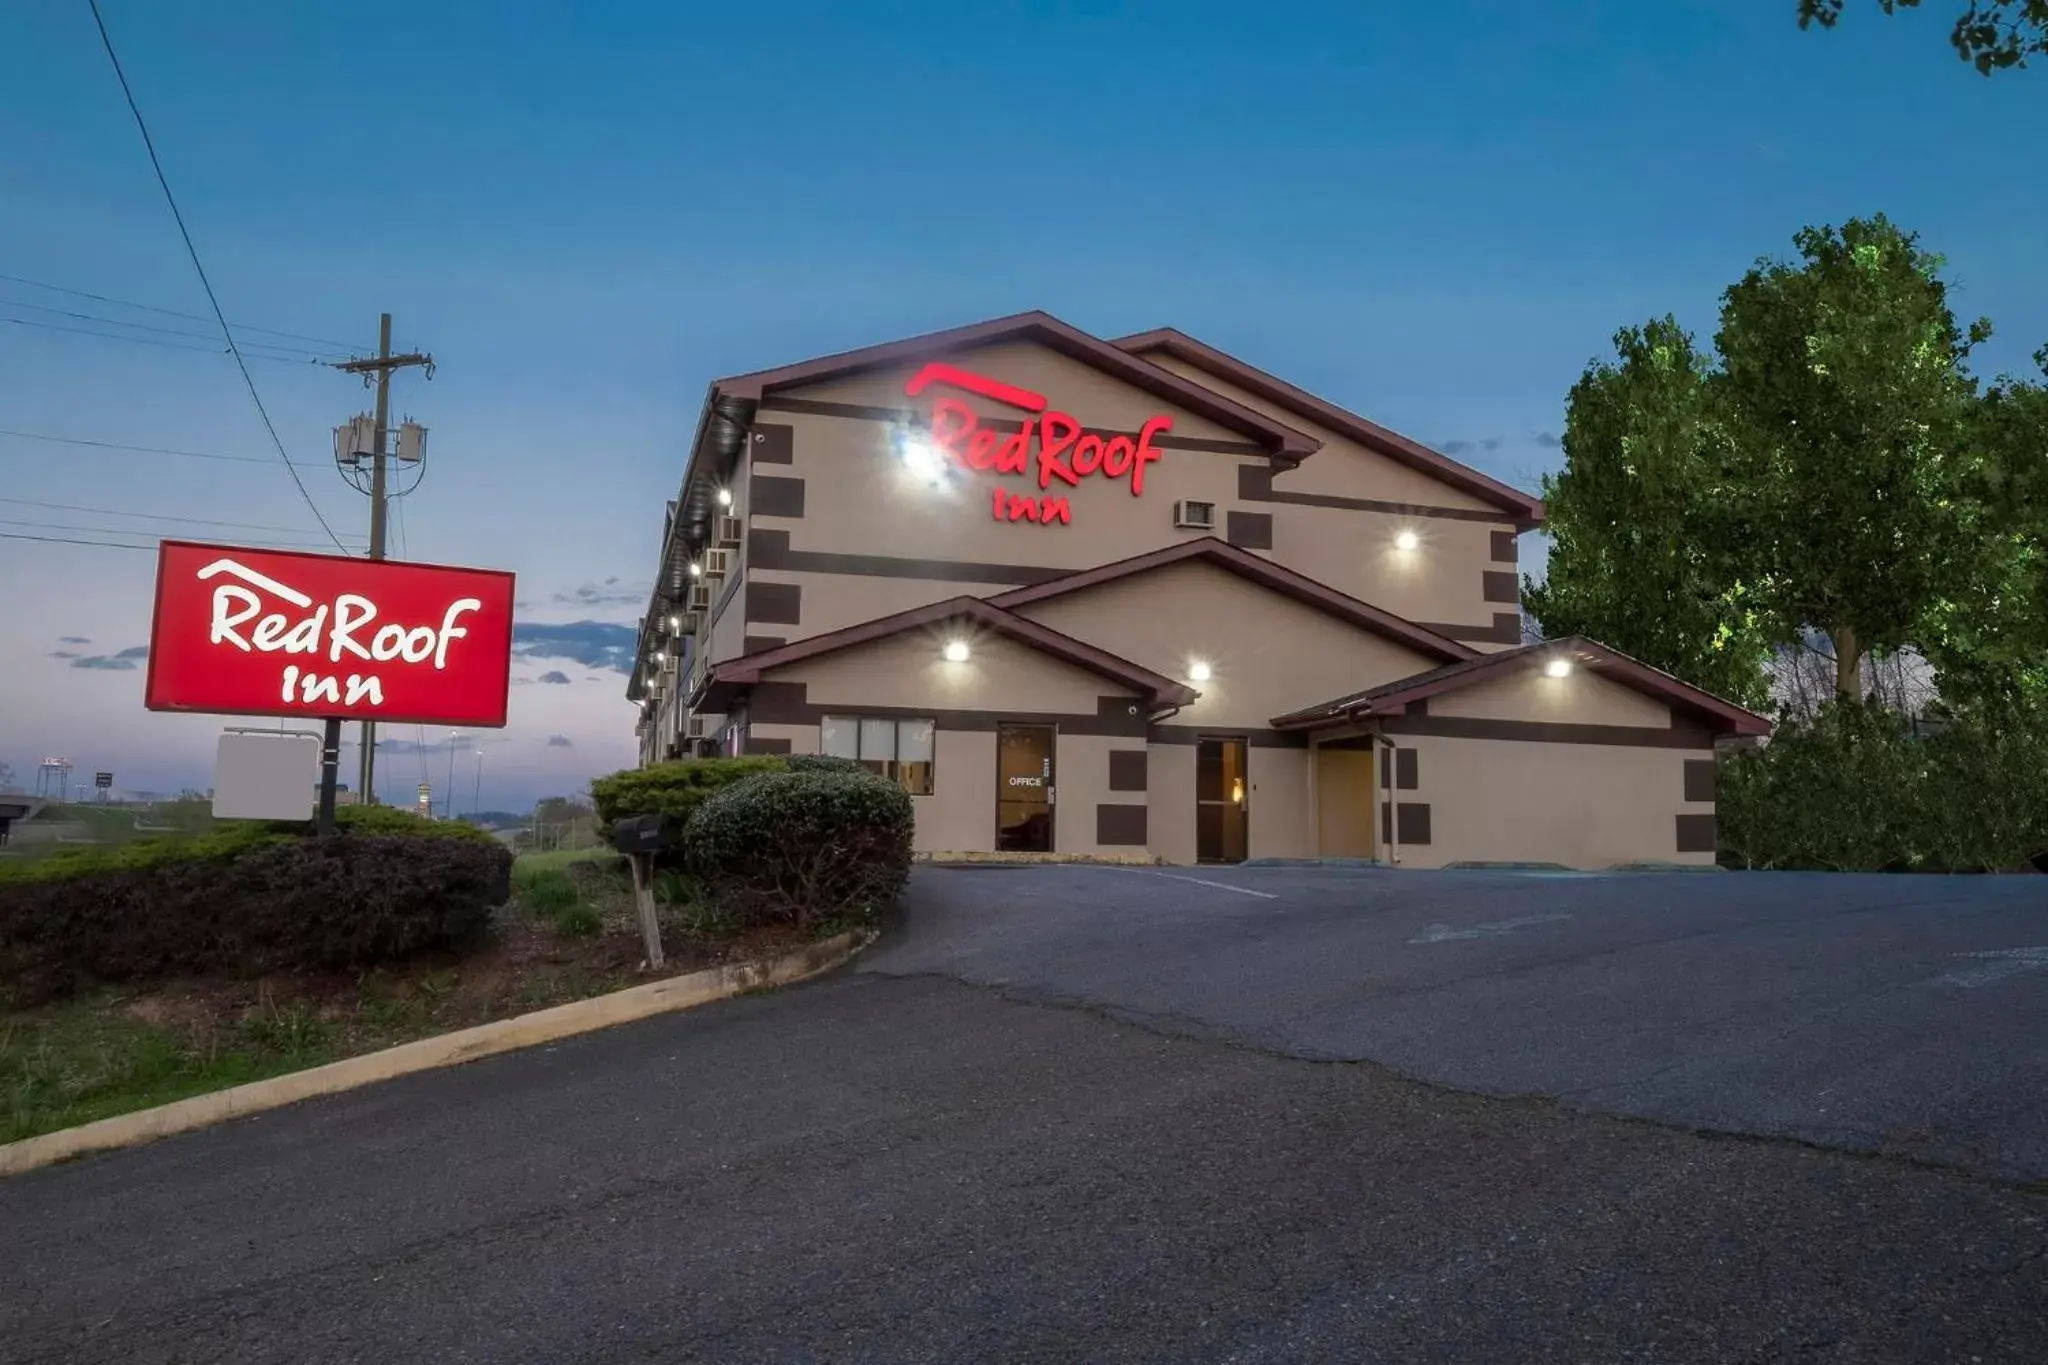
[1395,697]
[1284,441]
[1265,573]
[1172,341]
[1161,690]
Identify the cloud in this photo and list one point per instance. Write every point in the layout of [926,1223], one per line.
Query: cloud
[555,676]
[134,652]
[595,644]
[610,593]
[73,640]
[112,664]
[560,742]
[1490,443]
[1455,447]
[1549,438]
[63,653]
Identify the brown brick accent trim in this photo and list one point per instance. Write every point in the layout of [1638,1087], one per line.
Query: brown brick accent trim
[1502,586]
[775,604]
[755,644]
[769,549]
[774,443]
[1413,819]
[1255,484]
[1407,774]
[770,495]
[1249,530]
[1697,834]
[763,744]
[1682,736]
[1505,630]
[1504,548]
[1699,778]
[788,703]
[864,412]
[1122,826]
[1127,770]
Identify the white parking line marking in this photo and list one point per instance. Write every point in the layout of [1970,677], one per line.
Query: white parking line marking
[1444,933]
[1998,964]
[1203,881]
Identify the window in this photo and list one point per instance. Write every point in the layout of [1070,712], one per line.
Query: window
[900,750]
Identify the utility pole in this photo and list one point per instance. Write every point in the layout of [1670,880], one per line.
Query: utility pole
[381,367]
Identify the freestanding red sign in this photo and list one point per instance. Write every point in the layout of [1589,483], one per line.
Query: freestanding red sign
[280,633]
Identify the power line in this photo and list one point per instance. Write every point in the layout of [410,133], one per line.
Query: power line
[149,326]
[151,341]
[156,516]
[145,450]
[164,183]
[124,531]
[128,545]
[174,313]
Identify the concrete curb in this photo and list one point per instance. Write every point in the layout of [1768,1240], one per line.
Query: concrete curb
[447,1049]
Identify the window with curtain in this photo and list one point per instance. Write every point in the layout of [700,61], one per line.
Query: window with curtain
[900,750]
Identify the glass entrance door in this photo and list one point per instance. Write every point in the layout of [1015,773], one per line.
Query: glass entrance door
[1024,788]
[1222,832]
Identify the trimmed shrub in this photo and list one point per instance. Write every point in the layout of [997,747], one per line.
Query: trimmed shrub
[672,790]
[823,763]
[803,846]
[248,900]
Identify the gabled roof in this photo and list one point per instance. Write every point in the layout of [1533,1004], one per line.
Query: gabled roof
[1265,573]
[1391,698]
[1525,509]
[1047,330]
[978,611]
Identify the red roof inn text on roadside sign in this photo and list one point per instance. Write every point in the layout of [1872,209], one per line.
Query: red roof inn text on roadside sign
[1066,450]
[278,633]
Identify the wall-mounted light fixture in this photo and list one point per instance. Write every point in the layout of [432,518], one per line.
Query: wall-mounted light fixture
[1407,540]
[725,497]
[1198,671]
[696,570]
[956,652]
[1558,668]
[675,623]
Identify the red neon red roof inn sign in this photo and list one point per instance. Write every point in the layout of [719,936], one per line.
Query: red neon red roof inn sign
[1049,444]
[278,633]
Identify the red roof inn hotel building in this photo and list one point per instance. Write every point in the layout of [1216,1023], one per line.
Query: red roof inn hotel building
[1137,596]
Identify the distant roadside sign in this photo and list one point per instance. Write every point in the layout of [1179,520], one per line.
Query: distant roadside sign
[103,780]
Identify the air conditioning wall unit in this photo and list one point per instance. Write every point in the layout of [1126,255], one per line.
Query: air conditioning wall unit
[700,597]
[1190,515]
[697,729]
[717,563]
[730,533]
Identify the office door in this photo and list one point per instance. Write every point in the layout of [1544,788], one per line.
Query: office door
[1024,788]
[1222,819]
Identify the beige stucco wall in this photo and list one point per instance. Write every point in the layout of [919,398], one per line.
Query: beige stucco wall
[834,601]
[908,670]
[1280,803]
[1081,775]
[1528,693]
[1267,654]
[1581,805]
[1170,801]
[1347,804]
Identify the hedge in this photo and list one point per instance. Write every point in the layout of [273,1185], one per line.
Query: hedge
[673,790]
[804,846]
[250,898]
[1857,790]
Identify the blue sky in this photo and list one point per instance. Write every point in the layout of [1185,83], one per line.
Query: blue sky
[1435,214]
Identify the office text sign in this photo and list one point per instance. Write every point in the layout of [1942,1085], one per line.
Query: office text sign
[278,633]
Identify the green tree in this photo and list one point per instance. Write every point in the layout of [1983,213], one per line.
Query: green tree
[1851,416]
[1641,554]
[1991,35]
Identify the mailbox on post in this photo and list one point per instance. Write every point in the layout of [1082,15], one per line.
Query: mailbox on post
[639,838]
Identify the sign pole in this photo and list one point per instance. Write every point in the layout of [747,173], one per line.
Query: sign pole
[643,901]
[330,770]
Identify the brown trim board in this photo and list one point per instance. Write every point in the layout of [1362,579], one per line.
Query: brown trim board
[761,644]
[1499,585]
[1685,736]
[765,744]
[774,443]
[1700,775]
[1127,770]
[1412,818]
[911,417]
[1255,484]
[1504,548]
[1249,530]
[769,549]
[1257,739]
[771,495]
[788,703]
[1505,630]
[1698,834]
[775,604]
[1407,769]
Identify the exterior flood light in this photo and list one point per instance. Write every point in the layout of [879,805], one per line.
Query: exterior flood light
[956,652]
[696,570]
[1407,540]
[923,461]
[1198,671]
[1558,668]
[725,497]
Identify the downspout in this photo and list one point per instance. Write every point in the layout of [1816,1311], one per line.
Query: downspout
[1393,814]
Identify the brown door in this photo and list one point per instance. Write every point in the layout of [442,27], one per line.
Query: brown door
[1222,832]
[1024,790]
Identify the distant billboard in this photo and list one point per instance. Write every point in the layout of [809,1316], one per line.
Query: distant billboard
[282,633]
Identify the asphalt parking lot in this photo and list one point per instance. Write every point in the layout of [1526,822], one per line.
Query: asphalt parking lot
[1095,1116]
[1906,1015]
